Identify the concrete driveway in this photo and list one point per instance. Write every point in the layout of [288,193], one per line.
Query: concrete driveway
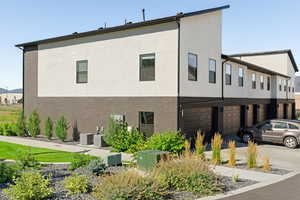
[280,156]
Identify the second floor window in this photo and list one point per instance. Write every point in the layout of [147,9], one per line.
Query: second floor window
[253,81]
[261,82]
[192,67]
[285,85]
[268,83]
[241,77]
[228,74]
[280,85]
[212,71]
[147,67]
[82,71]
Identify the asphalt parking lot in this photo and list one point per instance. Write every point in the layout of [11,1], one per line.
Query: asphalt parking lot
[280,156]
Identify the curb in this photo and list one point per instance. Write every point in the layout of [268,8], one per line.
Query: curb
[251,187]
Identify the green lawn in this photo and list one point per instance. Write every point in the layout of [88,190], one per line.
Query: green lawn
[11,151]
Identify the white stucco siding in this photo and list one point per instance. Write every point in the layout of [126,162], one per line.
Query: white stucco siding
[291,72]
[113,64]
[258,92]
[274,62]
[234,90]
[201,35]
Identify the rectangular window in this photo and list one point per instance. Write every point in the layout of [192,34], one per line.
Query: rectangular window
[82,71]
[241,77]
[261,82]
[280,86]
[285,85]
[192,65]
[228,74]
[293,89]
[212,71]
[147,67]
[146,123]
[253,81]
[268,83]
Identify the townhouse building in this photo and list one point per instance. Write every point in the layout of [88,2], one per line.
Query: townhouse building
[158,75]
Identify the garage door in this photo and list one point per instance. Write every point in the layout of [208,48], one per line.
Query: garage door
[263,112]
[250,115]
[231,123]
[280,111]
[197,119]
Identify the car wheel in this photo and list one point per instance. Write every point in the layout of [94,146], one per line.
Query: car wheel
[247,137]
[290,142]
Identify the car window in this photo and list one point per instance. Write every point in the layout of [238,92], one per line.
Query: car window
[292,126]
[266,125]
[280,125]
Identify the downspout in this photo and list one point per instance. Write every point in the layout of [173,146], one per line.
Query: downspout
[179,108]
[223,78]
[23,80]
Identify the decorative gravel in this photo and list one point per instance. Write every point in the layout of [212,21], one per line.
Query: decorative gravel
[272,171]
[60,171]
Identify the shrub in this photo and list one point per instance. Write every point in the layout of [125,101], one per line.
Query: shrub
[199,144]
[216,144]
[235,178]
[31,185]
[77,184]
[111,130]
[33,124]
[96,166]
[130,185]
[188,174]
[21,125]
[232,153]
[27,160]
[48,128]
[80,160]
[8,129]
[124,140]
[187,148]
[172,142]
[266,164]
[62,126]
[251,155]
[7,172]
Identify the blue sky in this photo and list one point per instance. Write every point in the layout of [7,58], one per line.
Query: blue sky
[256,25]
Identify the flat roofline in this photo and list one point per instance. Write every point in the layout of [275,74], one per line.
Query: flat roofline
[122,27]
[253,66]
[288,51]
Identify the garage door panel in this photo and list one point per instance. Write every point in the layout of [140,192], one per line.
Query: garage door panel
[197,118]
[231,123]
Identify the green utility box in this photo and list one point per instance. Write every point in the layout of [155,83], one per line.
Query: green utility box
[149,158]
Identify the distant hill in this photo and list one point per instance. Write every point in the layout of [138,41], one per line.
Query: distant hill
[17,91]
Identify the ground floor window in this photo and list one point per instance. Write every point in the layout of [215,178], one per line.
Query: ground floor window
[146,123]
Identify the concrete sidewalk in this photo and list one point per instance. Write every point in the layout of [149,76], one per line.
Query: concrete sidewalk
[63,147]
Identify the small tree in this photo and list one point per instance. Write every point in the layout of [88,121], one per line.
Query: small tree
[62,126]
[34,124]
[48,128]
[20,127]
